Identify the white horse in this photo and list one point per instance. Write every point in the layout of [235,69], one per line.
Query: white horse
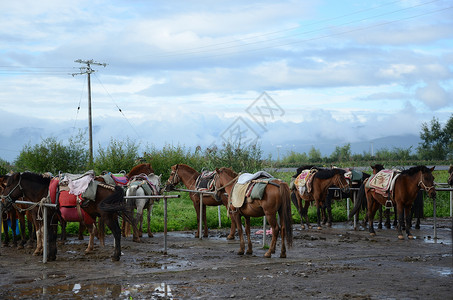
[141,185]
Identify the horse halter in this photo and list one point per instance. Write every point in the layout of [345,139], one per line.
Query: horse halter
[174,176]
[225,185]
[422,184]
[341,185]
[8,199]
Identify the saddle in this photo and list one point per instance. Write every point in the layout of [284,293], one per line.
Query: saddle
[303,181]
[206,181]
[250,187]
[115,179]
[143,181]
[69,203]
[383,182]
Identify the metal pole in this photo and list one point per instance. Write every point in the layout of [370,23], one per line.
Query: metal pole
[201,216]
[90,124]
[1,220]
[44,240]
[347,208]
[220,218]
[165,226]
[354,199]
[435,219]
[264,231]
[451,203]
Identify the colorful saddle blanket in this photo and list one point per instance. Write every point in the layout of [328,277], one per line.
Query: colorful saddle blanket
[383,182]
[303,181]
[115,179]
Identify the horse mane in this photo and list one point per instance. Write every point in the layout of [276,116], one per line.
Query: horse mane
[328,173]
[415,170]
[35,177]
[140,166]
[229,172]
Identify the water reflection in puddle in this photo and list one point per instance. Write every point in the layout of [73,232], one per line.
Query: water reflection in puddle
[107,291]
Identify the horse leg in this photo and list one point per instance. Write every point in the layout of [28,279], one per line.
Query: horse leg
[247,233]
[52,226]
[101,232]
[328,205]
[31,230]
[92,230]
[22,231]
[318,214]
[196,205]
[205,223]
[407,211]
[6,231]
[305,215]
[380,218]
[112,222]
[148,217]
[237,219]
[232,229]
[13,227]
[372,208]
[63,224]
[275,230]
[400,211]
[395,223]
[283,230]
[82,228]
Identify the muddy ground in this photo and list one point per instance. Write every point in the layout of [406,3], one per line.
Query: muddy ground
[335,263]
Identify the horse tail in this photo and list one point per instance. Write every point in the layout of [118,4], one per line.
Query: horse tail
[286,215]
[360,200]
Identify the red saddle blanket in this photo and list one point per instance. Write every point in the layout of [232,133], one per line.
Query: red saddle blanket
[68,204]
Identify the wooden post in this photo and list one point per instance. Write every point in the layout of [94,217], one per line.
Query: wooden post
[201,216]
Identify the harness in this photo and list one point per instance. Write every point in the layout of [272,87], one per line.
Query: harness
[422,185]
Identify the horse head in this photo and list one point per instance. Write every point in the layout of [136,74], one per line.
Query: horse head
[173,180]
[156,181]
[342,180]
[12,189]
[427,181]
[224,177]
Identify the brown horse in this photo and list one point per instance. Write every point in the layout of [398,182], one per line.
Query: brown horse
[405,190]
[276,199]
[188,176]
[322,180]
[108,204]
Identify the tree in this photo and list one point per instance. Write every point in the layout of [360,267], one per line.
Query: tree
[314,155]
[53,156]
[436,141]
[118,156]
[341,154]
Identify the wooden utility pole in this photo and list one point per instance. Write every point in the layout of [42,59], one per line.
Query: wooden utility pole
[88,70]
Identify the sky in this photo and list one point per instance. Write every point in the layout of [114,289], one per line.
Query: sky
[289,75]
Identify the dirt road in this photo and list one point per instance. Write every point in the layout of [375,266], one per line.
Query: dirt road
[336,263]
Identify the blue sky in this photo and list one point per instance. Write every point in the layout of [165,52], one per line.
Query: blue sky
[289,74]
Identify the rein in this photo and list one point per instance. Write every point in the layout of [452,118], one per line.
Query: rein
[8,197]
[227,184]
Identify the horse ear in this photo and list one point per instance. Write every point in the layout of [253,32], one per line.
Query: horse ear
[432,169]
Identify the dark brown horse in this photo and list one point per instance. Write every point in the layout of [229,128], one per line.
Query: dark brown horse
[188,176]
[108,203]
[322,180]
[276,199]
[405,190]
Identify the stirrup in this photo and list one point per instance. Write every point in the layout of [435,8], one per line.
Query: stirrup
[388,204]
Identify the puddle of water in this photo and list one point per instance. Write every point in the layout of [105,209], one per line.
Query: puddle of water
[107,291]
[445,272]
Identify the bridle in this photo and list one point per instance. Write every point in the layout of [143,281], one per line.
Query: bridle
[8,199]
[174,176]
[423,185]
[225,185]
[341,185]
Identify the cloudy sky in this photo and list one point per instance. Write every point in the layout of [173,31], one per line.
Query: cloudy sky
[287,74]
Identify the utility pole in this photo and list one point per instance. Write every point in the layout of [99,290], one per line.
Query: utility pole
[88,70]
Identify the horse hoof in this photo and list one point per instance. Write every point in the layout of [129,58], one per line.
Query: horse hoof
[230,237]
[20,247]
[411,237]
[150,235]
[282,255]
[240,252]
[267,255]
[400,237]
[329,224]
[114,258]
[373,234]
[249,252]
[319,227]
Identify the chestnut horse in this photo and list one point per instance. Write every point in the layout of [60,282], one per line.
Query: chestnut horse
[276,199]
[322,180]
[188,176]
[109,203]
[405,190]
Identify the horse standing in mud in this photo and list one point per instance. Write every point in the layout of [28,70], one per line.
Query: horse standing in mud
[406,186]
[317,191]
[142,185]
[108,204]
[189,177]
[276,199]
